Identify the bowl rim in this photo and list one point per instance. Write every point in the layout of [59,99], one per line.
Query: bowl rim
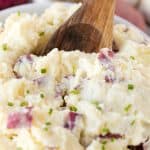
[39,7]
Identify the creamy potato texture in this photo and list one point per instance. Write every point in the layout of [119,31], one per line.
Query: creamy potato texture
[72,100]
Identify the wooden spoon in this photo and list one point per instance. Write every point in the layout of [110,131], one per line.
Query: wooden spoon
[88,29]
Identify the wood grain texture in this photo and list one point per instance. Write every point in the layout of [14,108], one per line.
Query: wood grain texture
[89,29]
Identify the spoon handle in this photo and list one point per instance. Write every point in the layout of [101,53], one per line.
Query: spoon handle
[99,14]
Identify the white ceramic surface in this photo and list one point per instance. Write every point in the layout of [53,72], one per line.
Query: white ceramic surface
[39,8]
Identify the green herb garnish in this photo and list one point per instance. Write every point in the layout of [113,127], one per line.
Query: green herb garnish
[41,33]
[105,130]
[74,68]
[96,103]
[112,140]
[42,95]
[130,86]
[43,70]
[132,123]
[132,57]
[46,129]
[11,137]
[48,123]
[104,142]
[73,108]
[10,104]
[128,107]
[28,92]
[24,104]
[103,147]
[5,47]
[50,111]
[75,92]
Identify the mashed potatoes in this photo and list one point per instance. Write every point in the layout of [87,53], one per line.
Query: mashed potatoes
[72,100]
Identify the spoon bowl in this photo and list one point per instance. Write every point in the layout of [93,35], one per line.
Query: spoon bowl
[88,29]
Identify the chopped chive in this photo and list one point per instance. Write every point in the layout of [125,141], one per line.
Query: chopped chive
[28,92]
[132,57]
[103,147]
[128,107]
[130,86]
[112,140]
[5,47]
[74,68]
[96,103]
[10,104]
[73,108]
[46,129]
[48,123]
[104,142]
[42,95]
[50,111]
[99,108]
[11,138]
[132,123]
[43,70]
[41,33]
[105,130]
[75,92]
[18,13]
[24,104]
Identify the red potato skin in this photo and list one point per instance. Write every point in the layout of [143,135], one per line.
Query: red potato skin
[124,10]
[8,3]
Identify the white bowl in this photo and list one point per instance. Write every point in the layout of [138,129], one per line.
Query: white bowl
[40,7]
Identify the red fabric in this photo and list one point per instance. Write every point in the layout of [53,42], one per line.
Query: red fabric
[8,3]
